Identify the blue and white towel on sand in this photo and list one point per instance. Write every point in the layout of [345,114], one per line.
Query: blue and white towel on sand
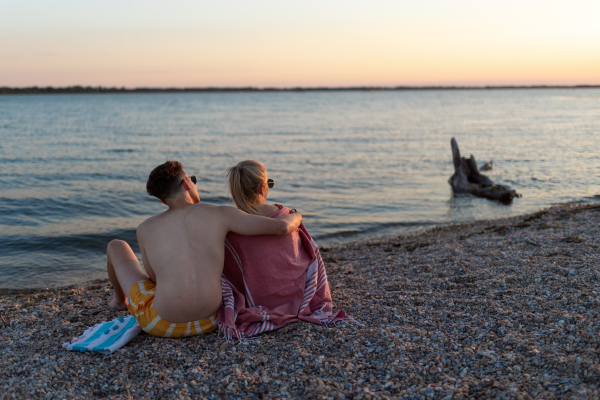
[106,337]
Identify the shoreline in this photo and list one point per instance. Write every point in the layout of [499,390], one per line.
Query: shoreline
[507,307]
[416,231]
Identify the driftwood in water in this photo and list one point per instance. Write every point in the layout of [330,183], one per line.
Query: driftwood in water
[467,178]
[486,167]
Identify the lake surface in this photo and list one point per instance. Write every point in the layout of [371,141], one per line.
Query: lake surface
[358,165]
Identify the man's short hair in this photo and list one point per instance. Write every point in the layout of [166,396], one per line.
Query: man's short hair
[162,181]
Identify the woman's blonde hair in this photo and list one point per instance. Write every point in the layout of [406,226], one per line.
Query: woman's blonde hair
[244,180]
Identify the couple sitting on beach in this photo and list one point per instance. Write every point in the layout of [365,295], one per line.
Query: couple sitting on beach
[203,266]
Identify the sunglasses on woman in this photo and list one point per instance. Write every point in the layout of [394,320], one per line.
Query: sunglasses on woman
[270,184]
[193,178]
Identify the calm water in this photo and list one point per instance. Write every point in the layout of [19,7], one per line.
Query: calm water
[358,165]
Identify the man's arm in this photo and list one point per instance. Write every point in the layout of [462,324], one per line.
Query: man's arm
[245,224]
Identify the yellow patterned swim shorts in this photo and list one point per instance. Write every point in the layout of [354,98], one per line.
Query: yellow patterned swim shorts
[140,304]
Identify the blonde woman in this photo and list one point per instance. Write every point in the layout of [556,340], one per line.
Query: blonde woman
[249,187]
[269,281]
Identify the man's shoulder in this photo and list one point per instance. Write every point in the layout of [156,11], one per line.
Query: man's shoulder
[199,209]
[213,208]
[227,211]
[149,222]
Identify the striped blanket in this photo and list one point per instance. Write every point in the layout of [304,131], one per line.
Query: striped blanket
[106,337]
[271,281]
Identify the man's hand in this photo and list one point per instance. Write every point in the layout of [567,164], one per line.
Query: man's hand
[292,220]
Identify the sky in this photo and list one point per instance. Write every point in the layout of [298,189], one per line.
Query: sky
[331,43]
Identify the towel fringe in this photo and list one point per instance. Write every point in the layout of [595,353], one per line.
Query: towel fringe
[347,320]
[230,334]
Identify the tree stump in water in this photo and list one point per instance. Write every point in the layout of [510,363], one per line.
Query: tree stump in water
[467,178]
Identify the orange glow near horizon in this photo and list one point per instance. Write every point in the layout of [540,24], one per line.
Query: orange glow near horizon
[271,45]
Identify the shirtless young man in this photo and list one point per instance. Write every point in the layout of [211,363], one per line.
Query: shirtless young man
[178,292]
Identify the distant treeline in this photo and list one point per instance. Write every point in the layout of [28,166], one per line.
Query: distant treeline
[100,89]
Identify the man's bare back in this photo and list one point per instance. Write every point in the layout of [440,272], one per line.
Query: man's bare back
[183,253]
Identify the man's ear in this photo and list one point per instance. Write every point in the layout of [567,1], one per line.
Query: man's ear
[186,185]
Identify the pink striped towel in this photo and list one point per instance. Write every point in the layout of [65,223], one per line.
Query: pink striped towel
[270,281]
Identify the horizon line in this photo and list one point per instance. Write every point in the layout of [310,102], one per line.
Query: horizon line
[75,89]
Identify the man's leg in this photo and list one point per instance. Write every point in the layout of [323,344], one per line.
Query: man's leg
[124,271]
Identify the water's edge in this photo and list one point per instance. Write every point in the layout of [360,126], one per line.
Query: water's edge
[371,241]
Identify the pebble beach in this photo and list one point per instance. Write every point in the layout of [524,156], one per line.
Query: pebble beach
[492,309]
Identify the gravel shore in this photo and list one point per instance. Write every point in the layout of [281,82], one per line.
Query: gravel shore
[492,309]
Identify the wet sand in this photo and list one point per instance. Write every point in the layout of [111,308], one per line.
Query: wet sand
[492,309]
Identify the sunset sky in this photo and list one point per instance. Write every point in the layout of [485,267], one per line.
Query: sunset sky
[311,43]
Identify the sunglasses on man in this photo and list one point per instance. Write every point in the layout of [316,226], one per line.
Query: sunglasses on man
[193,178]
